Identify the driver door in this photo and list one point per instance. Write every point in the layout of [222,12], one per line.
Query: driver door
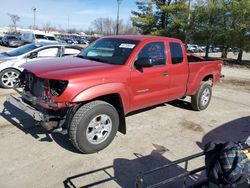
[149,85]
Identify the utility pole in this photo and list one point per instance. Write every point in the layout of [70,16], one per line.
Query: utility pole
[118,12]
[188,21]
[34,23]
[68,23]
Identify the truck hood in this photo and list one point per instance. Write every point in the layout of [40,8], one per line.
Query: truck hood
[65,68]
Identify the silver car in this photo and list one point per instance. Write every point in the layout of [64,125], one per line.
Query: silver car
[11,41]
[11,61]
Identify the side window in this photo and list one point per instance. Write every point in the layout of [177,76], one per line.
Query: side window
[176,53]
[49,52]
[154,51]
[70,51]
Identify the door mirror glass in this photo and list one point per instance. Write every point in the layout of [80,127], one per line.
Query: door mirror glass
[32,55]
[143,62]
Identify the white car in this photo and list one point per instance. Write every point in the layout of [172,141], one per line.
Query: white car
[11,61]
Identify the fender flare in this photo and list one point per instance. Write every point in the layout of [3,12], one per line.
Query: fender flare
[102,90]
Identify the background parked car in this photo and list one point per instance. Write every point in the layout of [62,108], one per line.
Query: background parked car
[214,49]
[1,37]
[51,38]
[194,48]
[11,41]
[10,62]
[32,36]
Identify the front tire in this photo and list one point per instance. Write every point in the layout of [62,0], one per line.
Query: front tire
[93,126]
[202,98]
[9,78]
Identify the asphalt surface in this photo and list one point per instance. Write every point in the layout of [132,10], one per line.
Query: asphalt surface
[32,157]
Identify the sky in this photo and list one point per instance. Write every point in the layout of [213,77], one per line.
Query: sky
[80,13]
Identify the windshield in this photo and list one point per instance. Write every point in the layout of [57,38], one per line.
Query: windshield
[109,50]
[51,38]
[11,37]
[39,36]
[23,49]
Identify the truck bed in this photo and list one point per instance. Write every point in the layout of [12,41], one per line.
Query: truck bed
[202,70]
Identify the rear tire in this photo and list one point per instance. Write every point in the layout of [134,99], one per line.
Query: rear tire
[93,126]
[9,78]
[202,98]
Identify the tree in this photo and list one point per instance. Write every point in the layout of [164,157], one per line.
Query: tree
[224,23]
[161,17]
[14,19]
[239,11]
[107,26]
[144,19]
[173,18]
[72,31]
[206,22]
[104,26]
[47,28]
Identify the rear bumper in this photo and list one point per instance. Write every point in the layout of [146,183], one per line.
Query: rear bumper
[20,104]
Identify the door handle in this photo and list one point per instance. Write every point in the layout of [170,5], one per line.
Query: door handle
[165,74]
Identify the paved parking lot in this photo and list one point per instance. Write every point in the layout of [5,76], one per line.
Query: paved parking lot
[32,157]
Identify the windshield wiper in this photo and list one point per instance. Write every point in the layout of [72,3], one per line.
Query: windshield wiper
[80,56]
[96,59]
[91,58]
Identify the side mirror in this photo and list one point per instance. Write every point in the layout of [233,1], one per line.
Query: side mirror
[143,62]
[32,55]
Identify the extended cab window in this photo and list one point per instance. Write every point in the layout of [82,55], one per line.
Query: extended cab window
[155,52]
[176,53]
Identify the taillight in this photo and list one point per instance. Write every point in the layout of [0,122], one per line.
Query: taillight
[57,87]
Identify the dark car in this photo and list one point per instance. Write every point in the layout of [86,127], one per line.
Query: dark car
[1,38]
[11,41]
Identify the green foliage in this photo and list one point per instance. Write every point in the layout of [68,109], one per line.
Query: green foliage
[239,19]
[161,17]
[144,19]
[224,23]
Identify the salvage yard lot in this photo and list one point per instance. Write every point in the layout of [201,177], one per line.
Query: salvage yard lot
[32,157]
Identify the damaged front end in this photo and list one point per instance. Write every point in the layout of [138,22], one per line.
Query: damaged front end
[41,91]
[37,98]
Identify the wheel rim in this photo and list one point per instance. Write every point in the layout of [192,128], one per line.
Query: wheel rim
[205,97]
[99,129]
[10,78]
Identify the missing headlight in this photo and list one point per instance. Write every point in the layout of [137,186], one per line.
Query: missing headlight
[57,87]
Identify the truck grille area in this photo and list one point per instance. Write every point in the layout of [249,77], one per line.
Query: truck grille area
[32,84]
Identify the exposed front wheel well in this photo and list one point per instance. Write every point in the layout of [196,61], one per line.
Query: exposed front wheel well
[116,101]
[113,99]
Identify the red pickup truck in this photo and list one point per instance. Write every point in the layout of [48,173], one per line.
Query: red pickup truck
[89,95]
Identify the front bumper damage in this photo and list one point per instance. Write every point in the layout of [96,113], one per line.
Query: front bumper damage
[21,105]
[36,100]
[47,120]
